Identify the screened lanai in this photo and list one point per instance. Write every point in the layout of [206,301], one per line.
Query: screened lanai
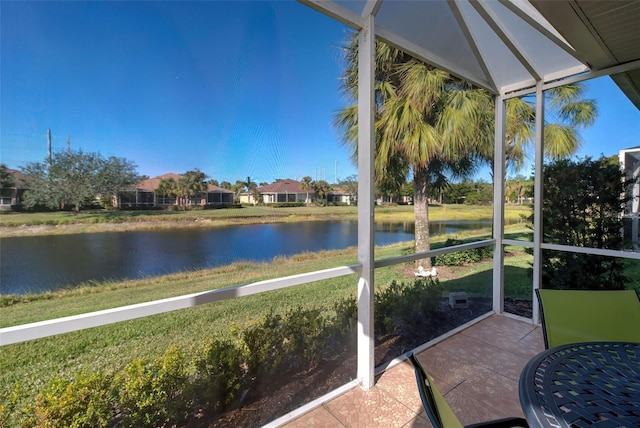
[510,48]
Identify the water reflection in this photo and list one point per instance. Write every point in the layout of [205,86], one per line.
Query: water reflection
[39,263]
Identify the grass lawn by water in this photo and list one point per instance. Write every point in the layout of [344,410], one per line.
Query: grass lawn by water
[29,224]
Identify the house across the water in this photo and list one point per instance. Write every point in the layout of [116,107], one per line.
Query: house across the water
[145,195]
[291,191]
[280,191]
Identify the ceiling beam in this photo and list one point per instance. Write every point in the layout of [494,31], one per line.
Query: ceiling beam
[505,35]
[371,8]
[544,27]
[336,12]
[471,39]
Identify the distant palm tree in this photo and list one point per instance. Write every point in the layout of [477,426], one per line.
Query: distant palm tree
[322,189]
[192,184]
[306,184]
[167,187]
[238,188]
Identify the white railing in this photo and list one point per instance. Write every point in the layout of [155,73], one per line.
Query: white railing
[36,330]
[40,329]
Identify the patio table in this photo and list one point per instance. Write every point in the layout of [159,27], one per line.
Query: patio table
[583,384]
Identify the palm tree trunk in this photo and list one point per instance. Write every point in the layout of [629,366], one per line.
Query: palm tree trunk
[421,213]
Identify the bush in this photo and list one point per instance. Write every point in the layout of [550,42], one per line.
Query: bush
[265,345]
[285,343]
[306,333]
[401,304]
[172,388]
[219,374]
[152,393]
[342,329]
[460,258]
[582,205]
[286,204]
[86,401]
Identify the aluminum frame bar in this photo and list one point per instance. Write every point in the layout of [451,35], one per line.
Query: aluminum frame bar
[537,201]
[498,206]
[366,240]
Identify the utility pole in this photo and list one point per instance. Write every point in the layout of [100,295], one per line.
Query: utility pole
[68,143]
[336,175]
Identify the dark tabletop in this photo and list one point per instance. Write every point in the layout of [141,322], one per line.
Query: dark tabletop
[583,384]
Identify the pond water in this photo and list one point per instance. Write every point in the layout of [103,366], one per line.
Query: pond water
[40,263]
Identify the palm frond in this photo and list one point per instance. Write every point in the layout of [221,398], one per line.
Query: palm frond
[579,113]
[422,85]
[561,95]
[560,141]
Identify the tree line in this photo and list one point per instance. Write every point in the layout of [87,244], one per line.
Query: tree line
[76,179]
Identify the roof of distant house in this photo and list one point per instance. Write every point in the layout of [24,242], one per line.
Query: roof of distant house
[151,184]
[284,186]
[20,178]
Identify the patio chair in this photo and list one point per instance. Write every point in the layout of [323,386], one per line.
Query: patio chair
[571,316]
[438,410]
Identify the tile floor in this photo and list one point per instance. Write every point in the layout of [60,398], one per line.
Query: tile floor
[477,370]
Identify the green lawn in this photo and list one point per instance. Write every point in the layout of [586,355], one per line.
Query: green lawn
[13,224]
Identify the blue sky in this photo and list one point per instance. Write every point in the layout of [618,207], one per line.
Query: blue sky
[235,89]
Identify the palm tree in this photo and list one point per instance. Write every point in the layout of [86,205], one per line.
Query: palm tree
[167,187]
[192,183]
[322,189]
[306,184]
[238,188]
[566,113]
[433,125]
[423,116]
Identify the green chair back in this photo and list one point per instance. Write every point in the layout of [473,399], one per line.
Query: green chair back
[438,410]
[571,316]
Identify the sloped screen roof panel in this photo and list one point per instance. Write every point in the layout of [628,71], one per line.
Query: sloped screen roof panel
[485,42]
[436,32]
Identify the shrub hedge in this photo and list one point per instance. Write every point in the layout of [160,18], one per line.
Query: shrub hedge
[171,389]
[460,258]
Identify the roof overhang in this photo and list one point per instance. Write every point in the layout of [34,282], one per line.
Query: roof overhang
[604,33]
[507,45]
